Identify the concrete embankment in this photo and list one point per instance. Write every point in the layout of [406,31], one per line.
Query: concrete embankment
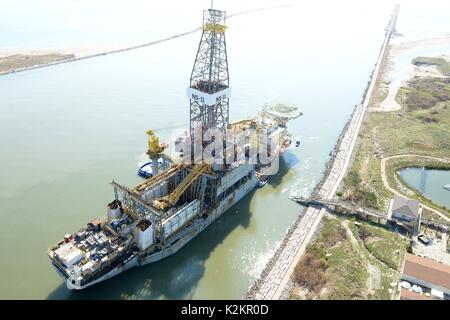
[274,278]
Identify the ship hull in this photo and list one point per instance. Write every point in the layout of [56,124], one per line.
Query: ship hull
[183,238]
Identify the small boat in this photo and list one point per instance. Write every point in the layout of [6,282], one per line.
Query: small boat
[447,186]
[145,171]
[262,183]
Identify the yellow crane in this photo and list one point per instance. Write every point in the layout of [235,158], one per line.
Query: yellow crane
[162,176]
[171,199]
[154,147]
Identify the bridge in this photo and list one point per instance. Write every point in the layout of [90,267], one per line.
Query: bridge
[332,204]
[351,208]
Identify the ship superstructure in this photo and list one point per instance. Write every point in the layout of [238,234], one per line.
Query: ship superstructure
[185,194]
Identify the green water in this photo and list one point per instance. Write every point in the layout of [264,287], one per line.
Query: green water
[67,131]
[430,183]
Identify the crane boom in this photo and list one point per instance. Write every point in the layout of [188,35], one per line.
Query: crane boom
[171,199]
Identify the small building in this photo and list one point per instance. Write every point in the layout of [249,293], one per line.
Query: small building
[432,277]
[405,209]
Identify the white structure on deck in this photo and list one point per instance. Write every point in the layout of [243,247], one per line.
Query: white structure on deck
[69,255]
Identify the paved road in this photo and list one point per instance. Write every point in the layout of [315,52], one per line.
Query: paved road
[388,187]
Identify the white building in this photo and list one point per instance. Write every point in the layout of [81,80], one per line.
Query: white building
[405,209]
[433,277]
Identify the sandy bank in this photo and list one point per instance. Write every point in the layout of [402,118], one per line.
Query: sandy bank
[15,59]
[77,51]
[399,69]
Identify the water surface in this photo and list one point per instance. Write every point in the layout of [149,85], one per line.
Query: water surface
[430,183]
[66,131]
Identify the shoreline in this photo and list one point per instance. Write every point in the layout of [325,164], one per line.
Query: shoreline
[275,277]
[397,73]
[91,53]
[82,52]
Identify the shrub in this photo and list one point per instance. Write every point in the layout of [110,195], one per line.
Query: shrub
[353,179]
[370,199]
[310,272]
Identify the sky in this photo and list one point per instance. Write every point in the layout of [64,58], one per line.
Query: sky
[45,22]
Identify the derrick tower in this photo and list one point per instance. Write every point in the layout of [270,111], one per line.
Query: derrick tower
[209,90]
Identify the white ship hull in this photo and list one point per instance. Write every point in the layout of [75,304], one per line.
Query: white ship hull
[183,237]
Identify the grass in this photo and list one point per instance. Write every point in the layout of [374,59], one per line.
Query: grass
[385,249]
[383,244]
[330,263]
[424,93]
[429,215]
[412,130]
[347,274]
[334,268]
[404,132]
[357,193]
[442,64]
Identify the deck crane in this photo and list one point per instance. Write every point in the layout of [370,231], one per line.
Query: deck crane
[171,199]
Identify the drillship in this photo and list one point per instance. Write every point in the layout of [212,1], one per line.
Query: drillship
[159,216]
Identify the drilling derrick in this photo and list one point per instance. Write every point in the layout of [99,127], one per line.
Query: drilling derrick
[209,91]
[180,198]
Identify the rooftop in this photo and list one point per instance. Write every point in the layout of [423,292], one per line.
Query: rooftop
[411,295]
[405,206]
[427,270]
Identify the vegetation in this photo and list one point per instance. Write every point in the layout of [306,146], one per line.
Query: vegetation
[336,266]
[310,271]
[423,94]
[357,194]
[394,179]
[442,64]
[428,215]
[421,127]
[382,243]
[371,253]
[353,179]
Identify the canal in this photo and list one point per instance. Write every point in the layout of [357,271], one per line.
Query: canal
[66,131]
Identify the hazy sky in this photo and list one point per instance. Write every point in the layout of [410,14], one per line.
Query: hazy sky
[136,20]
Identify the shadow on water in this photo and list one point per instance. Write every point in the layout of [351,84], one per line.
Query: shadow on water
[175,277]
[287,161]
